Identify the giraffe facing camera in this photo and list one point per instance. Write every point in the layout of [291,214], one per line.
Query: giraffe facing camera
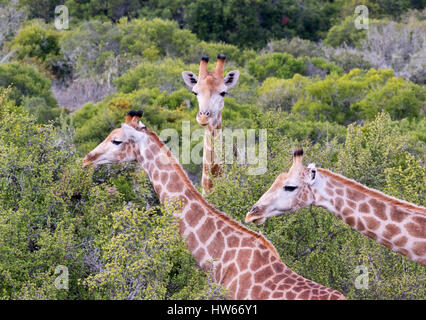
[210,87]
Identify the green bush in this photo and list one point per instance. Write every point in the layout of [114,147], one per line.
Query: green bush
[48,206]
[163,36]
[281,65]
[39,42]
[166,75]
[146,258]
[281,94]
[398,97]
[345,33]
[360,95]
[407,181]
[30,89]
[370,149]
[296,47]
[314,242]
[34,40]
[54,213]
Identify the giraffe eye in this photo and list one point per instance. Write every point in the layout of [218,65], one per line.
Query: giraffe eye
[223,93]
[290,188]
[116,142]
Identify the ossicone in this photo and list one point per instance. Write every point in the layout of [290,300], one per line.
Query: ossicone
[133,116]
[298,153]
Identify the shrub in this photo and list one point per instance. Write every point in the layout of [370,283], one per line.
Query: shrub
[12,18]
[347,58]
[164,36]
[93,222]
[142,258]
[280,94]
[166,75]
[30,89]
[398,97]
[313,242]
[281,65]
[48,206]
[399,46]
[38,42]
[296,47]
[345,33]
[370,149]
[34,40]
[407,180]
[359,95]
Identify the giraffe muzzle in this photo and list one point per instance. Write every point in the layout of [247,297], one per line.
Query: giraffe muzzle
[203,120]
[255,216]
[86,162]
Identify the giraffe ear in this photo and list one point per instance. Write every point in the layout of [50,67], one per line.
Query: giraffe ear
[190,78]
[131,133]
[312,174]
[231,78]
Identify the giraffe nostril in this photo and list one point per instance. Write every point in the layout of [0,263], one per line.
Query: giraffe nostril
[254,209]
[208,113]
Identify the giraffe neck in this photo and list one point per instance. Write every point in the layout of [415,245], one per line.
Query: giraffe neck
[211,165]
[394,223]
[240,259]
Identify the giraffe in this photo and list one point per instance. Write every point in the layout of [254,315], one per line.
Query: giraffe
[210,87]
[243,261]
[394,223]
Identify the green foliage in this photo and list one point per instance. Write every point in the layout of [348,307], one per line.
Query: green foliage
[38,42]
[281,65]
[370,149]
[284,65]
[91,47]
[328,67]
[141,257]
[297,47]
[360,95]
[166,75]
[407,181]
[44,9]
[247,24]
[35,41]
[398,97]
[164,36]
[280,94]
[367,124]
[30,89]
[312,241]
[46,202]
[345,33]
[381,9]
[54,213]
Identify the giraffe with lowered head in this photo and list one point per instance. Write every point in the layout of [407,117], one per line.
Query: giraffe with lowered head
[240,259]
[210,87]
[394,223]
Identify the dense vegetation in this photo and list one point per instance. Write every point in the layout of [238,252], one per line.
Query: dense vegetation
[355,101]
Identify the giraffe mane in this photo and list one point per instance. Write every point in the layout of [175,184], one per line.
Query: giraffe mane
[213,210]
[373,192]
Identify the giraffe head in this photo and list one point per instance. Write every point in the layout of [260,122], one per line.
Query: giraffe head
[210,87]
[121,145]
[290,191]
